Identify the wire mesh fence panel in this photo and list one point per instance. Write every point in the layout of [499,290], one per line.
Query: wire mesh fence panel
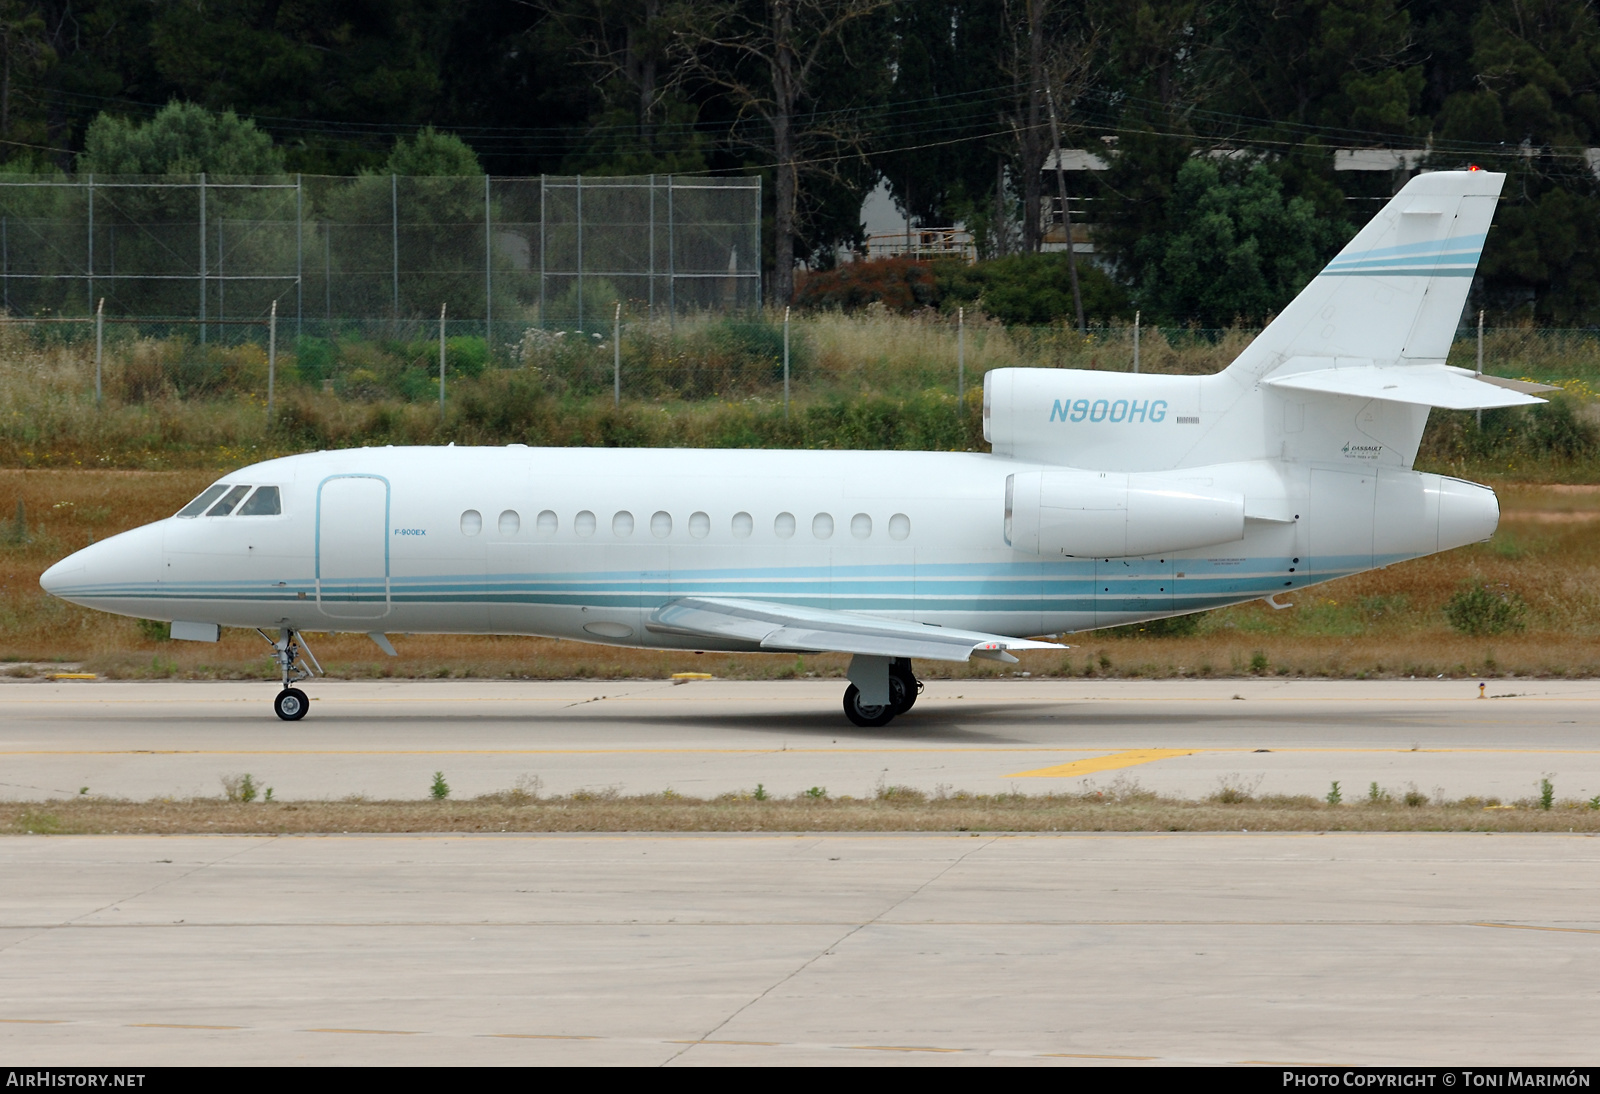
[339,253]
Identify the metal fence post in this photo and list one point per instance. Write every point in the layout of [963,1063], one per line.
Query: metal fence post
[652,312]
[541,252]
[441,362]
[488,267]
[1135,341]
[299,257]
[91,246]
[616,357]
[99,346]
[579,219]
[961,358]
[202,258]
[672,261]
[1480,360]
[394,240]
[786,362]
[272,357]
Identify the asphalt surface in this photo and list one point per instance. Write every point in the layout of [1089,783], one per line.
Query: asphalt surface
[1460,950]
[1466,950]
[386,739]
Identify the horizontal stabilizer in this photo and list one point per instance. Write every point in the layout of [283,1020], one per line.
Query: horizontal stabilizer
[786,627]
[1422,385]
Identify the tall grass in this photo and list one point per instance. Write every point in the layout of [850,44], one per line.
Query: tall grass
[865,380]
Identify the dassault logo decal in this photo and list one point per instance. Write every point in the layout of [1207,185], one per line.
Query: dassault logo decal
[1104,410]
[1361,451]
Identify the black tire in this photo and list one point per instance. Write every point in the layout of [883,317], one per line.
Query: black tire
[872,717]
[291,704]
[904,687]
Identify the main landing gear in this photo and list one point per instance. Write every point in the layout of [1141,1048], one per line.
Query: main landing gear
[904,687]
[296,662]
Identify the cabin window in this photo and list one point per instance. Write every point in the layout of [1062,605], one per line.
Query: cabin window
[861,526]
[229,500]
[899,526]
[548,523]
[265,502]
[199,505]
[822,525]
[510,522]
[471,522]
[661,525]
[699,525]
[584,524]
[783,525]
[622,524]
[743,525]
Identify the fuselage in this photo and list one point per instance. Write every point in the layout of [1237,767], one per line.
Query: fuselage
[586,543]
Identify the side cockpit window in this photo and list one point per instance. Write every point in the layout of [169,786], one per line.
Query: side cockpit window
[200,504]
[263,503]
[228,502]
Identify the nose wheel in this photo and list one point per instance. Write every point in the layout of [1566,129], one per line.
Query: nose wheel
[291,704]
[296,662]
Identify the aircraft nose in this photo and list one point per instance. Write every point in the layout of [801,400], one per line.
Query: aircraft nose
[69,571]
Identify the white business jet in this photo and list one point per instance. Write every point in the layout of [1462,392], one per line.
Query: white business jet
[1108,498]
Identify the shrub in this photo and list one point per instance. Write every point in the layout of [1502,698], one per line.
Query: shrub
[899,284]
[314,359]
[1475,610]
[1033,289]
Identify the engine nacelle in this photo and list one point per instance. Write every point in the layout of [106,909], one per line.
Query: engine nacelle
[1107,514]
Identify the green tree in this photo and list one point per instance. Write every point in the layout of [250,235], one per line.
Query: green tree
[1534,111]
[1232,247]
[182,139]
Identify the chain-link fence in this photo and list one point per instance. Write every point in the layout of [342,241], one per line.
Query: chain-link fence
[212,252]
[748,355]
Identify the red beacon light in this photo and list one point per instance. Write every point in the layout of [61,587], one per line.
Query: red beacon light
[1473,167]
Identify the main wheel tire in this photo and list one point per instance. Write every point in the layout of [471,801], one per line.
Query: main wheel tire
[904,687]
[868,717]
[291,704]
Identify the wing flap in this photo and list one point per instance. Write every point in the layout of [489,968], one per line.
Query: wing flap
[1423,385]
[786,627]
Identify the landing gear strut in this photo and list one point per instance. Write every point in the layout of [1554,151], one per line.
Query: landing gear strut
[904,687]
[296,662]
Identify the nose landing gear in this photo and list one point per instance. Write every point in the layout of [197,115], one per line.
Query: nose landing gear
[904,687]
[296,662]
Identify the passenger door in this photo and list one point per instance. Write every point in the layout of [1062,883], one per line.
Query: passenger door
[352,560]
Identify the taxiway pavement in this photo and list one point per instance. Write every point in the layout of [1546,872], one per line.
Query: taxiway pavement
[1186,737]
[1459,950]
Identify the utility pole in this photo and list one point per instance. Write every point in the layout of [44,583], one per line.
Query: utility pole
[616,357]
[441,362]
[786,362]
[1066,211]
[1135,341]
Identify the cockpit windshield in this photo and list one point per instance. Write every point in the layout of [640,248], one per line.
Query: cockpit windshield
[223,500]
[200,504]
[229,500]
[263,503]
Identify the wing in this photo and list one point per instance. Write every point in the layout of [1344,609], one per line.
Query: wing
[786,627]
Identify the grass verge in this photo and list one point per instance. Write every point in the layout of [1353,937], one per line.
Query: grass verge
[895,809]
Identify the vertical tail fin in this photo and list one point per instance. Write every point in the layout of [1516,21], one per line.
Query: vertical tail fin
[1396,292]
